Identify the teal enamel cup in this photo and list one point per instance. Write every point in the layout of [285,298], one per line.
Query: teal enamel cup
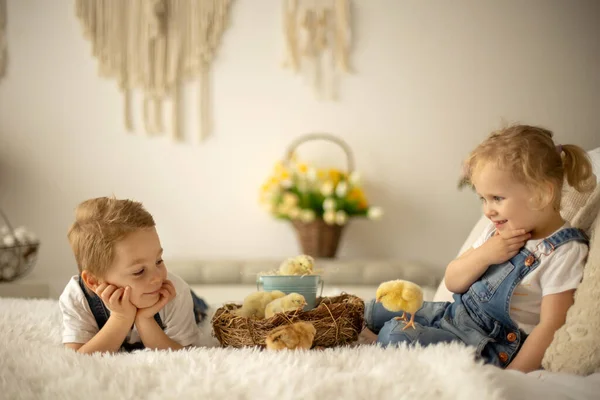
[306,285]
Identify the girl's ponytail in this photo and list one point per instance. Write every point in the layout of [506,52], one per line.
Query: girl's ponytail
[578,168]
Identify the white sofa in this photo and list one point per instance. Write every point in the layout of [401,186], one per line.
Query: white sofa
[229,281]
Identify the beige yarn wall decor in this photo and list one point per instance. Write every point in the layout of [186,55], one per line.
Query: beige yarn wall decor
[153,46]
[3,44]
[318,42]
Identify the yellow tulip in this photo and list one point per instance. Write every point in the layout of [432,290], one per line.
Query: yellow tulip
[302,168]
[335,175]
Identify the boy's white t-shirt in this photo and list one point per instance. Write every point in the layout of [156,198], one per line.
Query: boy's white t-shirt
[79,324]
[557,272]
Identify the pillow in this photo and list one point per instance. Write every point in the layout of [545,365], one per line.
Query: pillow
[575,347]
[572,210]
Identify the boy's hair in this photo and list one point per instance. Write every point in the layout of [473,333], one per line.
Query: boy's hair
[99,224]
[531,155]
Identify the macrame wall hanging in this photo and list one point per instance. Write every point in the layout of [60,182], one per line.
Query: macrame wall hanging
[3,44]
[154,46]
[317,39]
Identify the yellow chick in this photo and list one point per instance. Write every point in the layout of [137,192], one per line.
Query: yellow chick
[300,265]
[255,304]
[402,296]
[299,335]
[291,302]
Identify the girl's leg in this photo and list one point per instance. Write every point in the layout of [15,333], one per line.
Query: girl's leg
[393,332]
[429,315]
[376,315]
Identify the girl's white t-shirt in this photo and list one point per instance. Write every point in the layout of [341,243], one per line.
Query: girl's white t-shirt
[79,324]
[557,272]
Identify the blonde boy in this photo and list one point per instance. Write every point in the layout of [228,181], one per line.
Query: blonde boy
[123,297]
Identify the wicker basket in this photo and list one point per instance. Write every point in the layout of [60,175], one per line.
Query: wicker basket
[338,321]
[17,259]
[317,238]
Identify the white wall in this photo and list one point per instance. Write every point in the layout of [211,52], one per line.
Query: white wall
[432,78]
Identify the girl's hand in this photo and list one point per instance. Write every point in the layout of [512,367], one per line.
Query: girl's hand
[503,246]
[117,300]
[167,293]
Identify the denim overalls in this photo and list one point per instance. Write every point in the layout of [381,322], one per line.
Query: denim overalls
[480,317]
[101,313]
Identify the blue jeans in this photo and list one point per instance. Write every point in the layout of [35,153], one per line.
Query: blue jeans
[427,325]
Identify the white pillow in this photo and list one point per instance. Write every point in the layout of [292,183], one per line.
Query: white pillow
[442,293]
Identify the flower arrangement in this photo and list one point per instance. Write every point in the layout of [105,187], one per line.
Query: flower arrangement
[297,191]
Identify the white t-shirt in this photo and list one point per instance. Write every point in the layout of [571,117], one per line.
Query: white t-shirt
[557,272]
[79,325]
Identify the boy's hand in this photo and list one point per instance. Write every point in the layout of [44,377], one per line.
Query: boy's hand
[167,293]
[117,300]
[503,246]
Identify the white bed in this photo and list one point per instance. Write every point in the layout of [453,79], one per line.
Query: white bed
[34,365]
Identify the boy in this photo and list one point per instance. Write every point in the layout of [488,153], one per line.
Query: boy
[123,297]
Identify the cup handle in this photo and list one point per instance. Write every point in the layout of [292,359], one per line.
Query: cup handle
[322,283]
[258,282]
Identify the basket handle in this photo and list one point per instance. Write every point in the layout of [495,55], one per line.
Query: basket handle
[10,228]
[322,136]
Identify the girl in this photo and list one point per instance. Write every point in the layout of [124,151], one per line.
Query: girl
[511,290]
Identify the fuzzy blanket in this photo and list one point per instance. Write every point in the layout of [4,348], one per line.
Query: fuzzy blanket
[34,365]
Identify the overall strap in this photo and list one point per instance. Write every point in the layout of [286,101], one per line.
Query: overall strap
[96,304]
[566,235]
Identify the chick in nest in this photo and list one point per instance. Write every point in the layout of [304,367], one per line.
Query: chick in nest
[255,304]
[300,265]
[299,335]
[400,295]
[291,302]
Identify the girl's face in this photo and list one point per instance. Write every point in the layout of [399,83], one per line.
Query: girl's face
[506,202]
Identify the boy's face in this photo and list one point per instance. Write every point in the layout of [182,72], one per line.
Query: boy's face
[138,264]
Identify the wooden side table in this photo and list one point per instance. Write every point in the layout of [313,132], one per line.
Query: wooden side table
[27,287]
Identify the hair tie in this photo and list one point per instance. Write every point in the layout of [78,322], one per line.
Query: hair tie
[559,149]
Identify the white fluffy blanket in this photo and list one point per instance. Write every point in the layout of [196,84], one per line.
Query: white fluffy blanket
[33,365]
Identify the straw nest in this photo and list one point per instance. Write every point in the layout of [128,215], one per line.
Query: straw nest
[338,321]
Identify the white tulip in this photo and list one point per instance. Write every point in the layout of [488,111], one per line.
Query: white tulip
[341,217]
[327,189]
[290,199]
[268,207]
[342,189]
[375,213]
[307,216]
[355,178]
[329,217]
[329,204]
[294,213]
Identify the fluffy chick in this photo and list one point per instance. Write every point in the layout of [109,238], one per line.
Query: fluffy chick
[255,304]
[399,295]
[300,265]
[299,335]
[291,302]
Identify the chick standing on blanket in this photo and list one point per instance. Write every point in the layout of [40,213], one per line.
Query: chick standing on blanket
[299,335]
[402,296]
[291,302]
[255,304]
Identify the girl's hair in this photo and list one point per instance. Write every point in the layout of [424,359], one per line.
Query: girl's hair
[99,224]
[531,155]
